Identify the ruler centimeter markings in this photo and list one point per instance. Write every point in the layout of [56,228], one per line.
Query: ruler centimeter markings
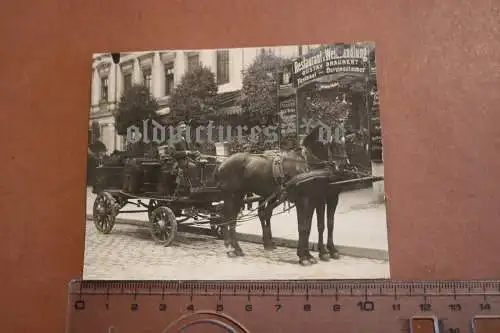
[287,306]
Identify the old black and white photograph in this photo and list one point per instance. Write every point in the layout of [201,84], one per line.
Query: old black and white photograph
[237,163]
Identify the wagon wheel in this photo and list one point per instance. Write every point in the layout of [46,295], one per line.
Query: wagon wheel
[104,213]
[163,225]
[153,204]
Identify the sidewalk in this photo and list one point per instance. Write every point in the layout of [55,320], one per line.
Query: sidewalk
[360,225]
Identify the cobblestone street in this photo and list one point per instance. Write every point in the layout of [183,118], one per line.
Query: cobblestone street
[128,252]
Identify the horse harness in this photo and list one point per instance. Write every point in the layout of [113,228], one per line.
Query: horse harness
[312,161]
[278,170]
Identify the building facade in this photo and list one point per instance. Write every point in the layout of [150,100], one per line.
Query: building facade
[161,71]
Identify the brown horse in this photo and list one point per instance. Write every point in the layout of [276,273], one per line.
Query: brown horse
[244,173]
[330,157]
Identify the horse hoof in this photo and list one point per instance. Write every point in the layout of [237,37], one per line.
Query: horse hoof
[335,255]
[312,260]
[304,262]
[234,254]
[324,257]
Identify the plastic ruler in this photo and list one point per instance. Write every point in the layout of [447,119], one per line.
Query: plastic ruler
[340,306]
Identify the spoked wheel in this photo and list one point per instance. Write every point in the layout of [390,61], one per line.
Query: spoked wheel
[163,225]
[153,204]
[104,212]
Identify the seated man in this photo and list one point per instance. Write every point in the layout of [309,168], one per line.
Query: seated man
[186,156]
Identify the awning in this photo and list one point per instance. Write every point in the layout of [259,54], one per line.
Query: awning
[230,110]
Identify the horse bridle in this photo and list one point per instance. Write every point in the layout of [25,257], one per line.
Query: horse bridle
[313,159]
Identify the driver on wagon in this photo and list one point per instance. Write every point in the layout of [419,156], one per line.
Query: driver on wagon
[186,155]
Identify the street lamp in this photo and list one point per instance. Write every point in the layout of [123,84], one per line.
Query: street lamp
[116,60]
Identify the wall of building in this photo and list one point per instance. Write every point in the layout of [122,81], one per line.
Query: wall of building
[137,63]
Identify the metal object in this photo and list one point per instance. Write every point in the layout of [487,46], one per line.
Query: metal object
[346,306]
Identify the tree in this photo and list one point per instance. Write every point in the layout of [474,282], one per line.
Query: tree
[195,96]
[259,92]
[135,106]
[324,109]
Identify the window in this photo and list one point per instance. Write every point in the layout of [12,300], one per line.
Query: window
[104,89]
[267,50]
[193,61]
[102,130]
[169,78]
[127,82]
[222,66]
[146,76]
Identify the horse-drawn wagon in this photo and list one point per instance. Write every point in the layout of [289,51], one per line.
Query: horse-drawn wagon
[219,190]
[151,185]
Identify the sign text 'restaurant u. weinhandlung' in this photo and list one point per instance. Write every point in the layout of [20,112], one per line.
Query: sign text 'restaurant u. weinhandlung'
[329,61]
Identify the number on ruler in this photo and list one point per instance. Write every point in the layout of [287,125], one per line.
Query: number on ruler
[307,307]
[455,307]
[248,308]
[366,306]
[336,307]
[396,307]
[190,307]
[134,307]
[485,307]
[219,307]
[278,307]
[162,307]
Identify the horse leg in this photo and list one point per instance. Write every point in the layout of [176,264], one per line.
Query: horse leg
[265,221]
[331,206]
[270,245]
[309,215]
[261,214]
[320,215]
[303,260]
[304,220]
[232,207]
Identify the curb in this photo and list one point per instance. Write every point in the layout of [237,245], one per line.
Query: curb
[351,251]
